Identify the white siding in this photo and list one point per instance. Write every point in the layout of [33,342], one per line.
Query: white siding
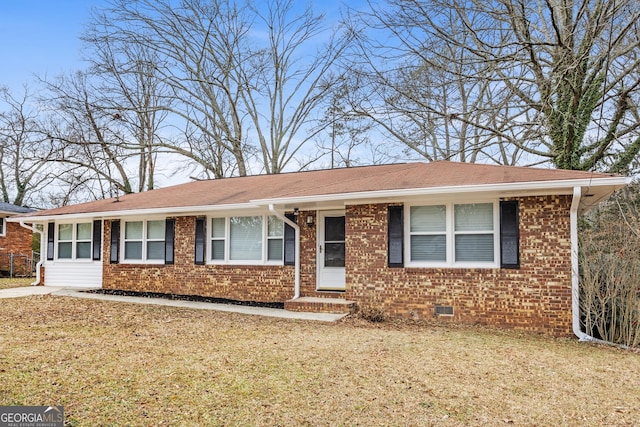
[73,274]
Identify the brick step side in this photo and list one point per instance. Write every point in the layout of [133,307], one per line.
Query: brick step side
[320,305]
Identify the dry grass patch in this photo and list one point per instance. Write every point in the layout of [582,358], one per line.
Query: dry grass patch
[8,283]
[123,364]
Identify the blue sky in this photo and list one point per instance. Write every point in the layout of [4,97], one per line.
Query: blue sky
[40,37]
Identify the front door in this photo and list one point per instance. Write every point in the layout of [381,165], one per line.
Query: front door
[331,251]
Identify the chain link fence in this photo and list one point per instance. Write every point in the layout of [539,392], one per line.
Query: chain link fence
[18,265]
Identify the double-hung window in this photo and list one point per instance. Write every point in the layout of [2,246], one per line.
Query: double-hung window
[144,240]
[75,240]
[254,239]
[453,234]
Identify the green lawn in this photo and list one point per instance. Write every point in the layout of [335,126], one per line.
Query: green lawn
[123,364]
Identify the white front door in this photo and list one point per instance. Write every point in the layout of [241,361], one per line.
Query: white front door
[331,251]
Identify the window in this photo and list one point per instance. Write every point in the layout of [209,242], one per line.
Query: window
[247,239]
[428,233]
[275,239]
[447,234]
[3,230]
[474,236]
[144,240]
[65,241]
[75,240]
[83,240]
[218,233]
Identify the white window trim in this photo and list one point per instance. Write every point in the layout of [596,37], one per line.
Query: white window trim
[144,241]
[74,241]
[227,242]
[4,226]
[450,236]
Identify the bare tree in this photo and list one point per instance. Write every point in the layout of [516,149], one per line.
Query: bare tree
[423,101]
[130,89]
[23,150]
[89,136]
[557,79]
[247,78]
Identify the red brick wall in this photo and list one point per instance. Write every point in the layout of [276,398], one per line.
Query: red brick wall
[245,283]
[17,239]
[535,297]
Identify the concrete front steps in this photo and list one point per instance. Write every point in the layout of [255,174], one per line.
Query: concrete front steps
[320,305]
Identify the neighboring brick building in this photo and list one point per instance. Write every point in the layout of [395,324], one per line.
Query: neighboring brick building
[15,242]
[473,243]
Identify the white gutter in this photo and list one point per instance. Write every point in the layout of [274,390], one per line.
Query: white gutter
[39,264]
[575,272]
[296,227]
[543,186]
[184,210]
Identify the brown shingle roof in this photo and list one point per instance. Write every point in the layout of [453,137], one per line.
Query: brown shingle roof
[242,190]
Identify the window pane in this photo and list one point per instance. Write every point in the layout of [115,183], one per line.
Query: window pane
[428,219]
[133,230]
[217,227]
[474,217]
[246,238]
[65,232]
[133,250]
[84,231]
[155,250]
[334,255]
[274,250]
[429,248]
[155,230]
[334,229]
[83,250]
[276,227]
[217,249]
[1,225]
[64,249]
[474,247]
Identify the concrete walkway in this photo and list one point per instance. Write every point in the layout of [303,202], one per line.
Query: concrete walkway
[78,293]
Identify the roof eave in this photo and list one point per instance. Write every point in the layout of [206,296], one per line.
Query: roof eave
[542,187]
[136,212]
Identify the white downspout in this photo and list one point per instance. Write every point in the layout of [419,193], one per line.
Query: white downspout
[296,227]
[575,271]
[39,264]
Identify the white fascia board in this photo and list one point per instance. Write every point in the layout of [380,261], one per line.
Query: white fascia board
[541,187]
[168,211]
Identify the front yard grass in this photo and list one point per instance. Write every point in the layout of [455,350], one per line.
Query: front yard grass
[16,282]
[124,364]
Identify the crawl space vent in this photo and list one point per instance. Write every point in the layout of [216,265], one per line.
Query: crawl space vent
[444,310]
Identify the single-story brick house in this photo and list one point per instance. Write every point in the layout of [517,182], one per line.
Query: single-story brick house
[474,243]
[15,241]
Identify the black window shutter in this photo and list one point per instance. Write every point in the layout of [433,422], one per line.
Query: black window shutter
[289,241]
[51,235]
[169,240]
[114,244]
[395,221]
[97,239]
[200,240]
[509,234]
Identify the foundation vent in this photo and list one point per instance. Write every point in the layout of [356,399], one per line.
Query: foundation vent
[444,310]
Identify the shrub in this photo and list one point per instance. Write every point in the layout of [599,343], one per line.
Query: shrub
[610,272]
